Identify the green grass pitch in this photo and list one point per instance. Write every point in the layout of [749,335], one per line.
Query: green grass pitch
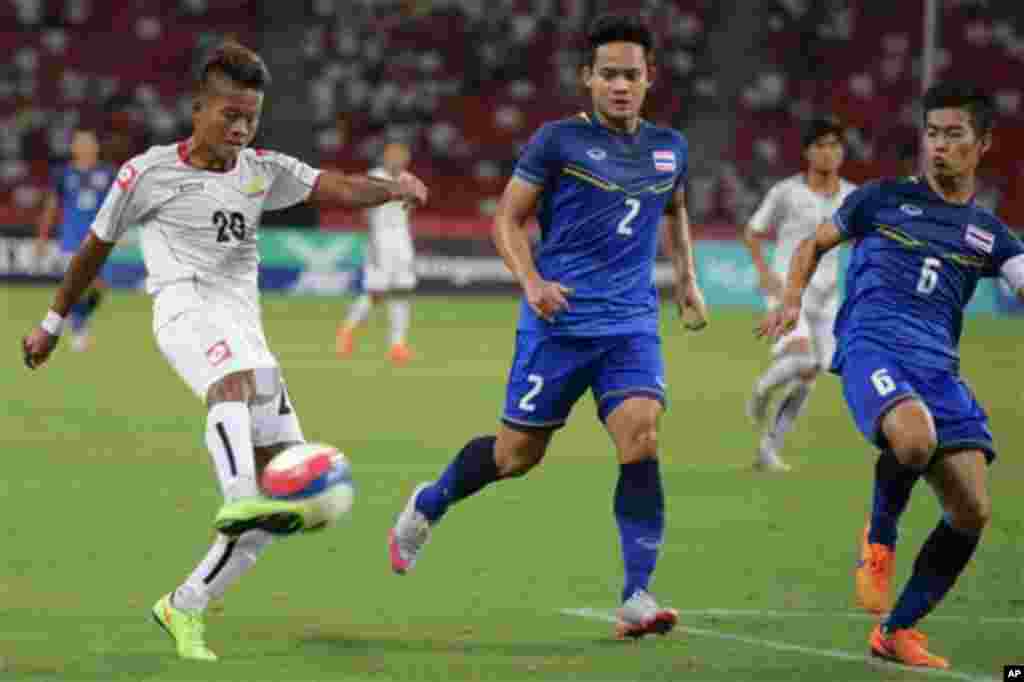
[108,497]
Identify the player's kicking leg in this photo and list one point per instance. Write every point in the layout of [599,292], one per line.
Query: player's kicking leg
[481,461]
[639,508]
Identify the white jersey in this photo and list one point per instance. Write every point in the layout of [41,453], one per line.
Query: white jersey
[198,225]
[389,223]
[796,211]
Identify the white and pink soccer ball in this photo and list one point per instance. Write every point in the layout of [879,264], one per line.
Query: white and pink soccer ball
[315,474]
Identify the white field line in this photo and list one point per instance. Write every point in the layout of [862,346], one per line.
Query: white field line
[598,614]
[853,615]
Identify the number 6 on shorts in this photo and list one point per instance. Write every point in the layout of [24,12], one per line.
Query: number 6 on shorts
[883,382]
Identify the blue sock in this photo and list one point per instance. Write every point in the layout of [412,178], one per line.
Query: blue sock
[943,557]
[640,515]
[472,469]
[893,484]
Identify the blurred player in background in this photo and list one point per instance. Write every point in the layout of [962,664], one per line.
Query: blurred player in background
[389,264]
[921,245]
[77,192]
[600,184]
[795,207]
[198,204]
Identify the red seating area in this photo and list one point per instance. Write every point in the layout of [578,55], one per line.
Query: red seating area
[466,90]
[864,66]
[69,58]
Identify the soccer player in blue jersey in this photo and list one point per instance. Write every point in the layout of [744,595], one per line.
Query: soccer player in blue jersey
[600,184]
[920,246]
[77,192]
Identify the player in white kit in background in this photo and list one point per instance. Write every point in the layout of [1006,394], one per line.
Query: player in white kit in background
[198,205]
[795,207]
[389,264]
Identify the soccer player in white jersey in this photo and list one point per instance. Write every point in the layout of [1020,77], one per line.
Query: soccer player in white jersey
[795,207]
[198,205]
[389,264]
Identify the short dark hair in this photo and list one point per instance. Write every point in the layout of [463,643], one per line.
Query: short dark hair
[819,127]
[236,62]
[617,28]
[953,95]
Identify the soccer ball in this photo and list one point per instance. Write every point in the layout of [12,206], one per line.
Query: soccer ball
[317,475]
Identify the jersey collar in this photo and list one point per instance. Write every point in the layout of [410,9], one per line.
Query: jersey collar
[591,118]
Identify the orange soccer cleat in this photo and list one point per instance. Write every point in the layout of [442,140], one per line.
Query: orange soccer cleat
[400,354]
[907,646]
[344,341]
[873,576]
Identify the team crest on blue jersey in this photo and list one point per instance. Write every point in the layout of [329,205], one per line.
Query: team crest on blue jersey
[664,160]
[912,210]
[597,154]
[979,239]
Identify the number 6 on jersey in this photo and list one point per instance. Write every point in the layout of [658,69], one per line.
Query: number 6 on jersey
[929,275]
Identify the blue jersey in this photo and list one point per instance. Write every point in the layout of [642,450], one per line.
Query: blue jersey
[916,263]
[80,193]
[603,196]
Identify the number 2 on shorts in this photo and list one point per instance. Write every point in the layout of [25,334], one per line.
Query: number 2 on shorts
[526,404]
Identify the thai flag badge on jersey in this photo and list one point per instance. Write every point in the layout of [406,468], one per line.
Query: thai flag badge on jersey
[665,160]
[979,239]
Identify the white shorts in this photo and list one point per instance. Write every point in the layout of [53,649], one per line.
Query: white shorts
[817,317]
[389,266]
[205,337]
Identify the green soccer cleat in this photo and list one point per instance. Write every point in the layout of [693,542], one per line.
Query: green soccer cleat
[279,517]
[185,628]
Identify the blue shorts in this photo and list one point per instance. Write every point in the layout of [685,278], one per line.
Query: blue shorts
[874,383]
[550,373]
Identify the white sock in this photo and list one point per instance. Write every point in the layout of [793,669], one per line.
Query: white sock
[222,566]
[789,408]
[784,369]
[399,311]
[359,311]
[229,440]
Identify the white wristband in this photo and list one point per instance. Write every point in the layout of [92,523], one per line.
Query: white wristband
[52,324]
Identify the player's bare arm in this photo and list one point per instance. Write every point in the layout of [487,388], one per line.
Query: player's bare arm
[363,191]
[679,243]
[511,237]
[769,280]
[84,267]
[801,268]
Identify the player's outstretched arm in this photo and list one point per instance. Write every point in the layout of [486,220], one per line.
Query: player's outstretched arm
[511,238]
[679,245]
[363,191]
[91,256]
[801,268]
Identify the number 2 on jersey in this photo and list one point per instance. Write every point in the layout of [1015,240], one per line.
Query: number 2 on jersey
[929,276]
[634,208]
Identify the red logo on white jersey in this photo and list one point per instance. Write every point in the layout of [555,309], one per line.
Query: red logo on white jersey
[126,176]
[218,353]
